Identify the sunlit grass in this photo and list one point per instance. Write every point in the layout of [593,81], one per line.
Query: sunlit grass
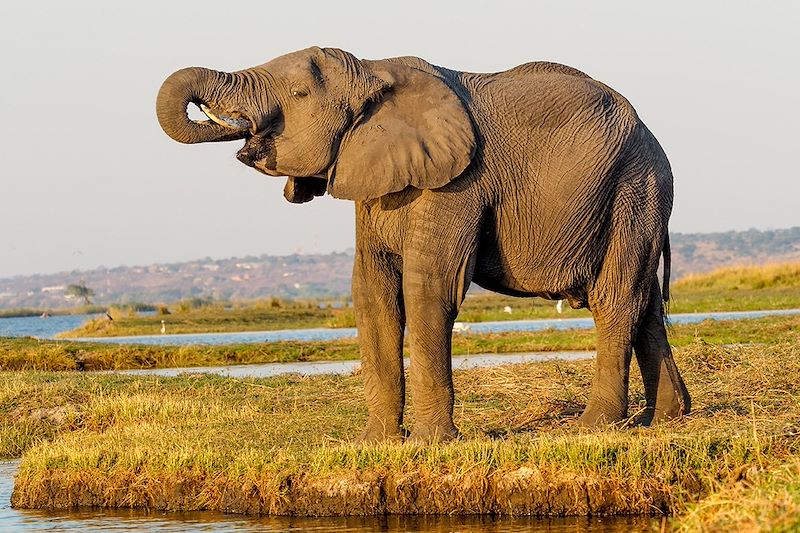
[761,499]
[772,276]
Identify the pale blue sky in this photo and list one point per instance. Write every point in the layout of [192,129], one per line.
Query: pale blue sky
[89,179]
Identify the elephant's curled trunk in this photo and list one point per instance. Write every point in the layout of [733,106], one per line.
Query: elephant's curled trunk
[192,85]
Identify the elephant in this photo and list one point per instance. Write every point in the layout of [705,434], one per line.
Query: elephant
[538,181]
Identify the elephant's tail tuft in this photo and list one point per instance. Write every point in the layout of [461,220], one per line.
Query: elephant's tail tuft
[667,265]
[665,281]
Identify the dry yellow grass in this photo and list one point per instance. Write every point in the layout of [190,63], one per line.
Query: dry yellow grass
[748,277]
[761,499]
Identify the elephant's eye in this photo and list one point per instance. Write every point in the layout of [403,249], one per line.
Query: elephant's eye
[299,92]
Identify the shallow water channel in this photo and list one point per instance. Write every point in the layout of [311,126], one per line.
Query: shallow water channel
[315,368]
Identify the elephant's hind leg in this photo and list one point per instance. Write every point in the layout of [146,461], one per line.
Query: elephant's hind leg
[665,391]
[618,299]
[616,315]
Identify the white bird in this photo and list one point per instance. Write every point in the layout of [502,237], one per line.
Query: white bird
[163,327]
[560,306]
[460,327]
[507,309]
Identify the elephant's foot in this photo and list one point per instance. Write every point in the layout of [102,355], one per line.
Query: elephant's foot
[672,404]
[428,433]
[379,431]
[644,419]
[596,415]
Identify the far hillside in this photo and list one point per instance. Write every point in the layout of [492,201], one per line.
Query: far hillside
[703,252]
[326,276]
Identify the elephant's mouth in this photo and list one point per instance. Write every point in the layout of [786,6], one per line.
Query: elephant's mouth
[300,190]
[259,152]
[261,166]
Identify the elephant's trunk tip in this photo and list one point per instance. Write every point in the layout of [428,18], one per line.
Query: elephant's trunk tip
[190,85]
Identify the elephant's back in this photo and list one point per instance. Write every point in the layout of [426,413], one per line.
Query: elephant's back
[544,67]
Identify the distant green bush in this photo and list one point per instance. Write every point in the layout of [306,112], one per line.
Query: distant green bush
[190,304]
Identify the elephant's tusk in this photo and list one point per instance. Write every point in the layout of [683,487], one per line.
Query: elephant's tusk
[233,123]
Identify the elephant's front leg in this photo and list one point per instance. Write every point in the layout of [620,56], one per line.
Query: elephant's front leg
[433,286]
[378,301]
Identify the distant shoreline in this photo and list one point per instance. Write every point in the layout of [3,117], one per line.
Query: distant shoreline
[327,276]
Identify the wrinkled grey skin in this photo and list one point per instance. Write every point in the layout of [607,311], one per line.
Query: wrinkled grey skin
[537,181]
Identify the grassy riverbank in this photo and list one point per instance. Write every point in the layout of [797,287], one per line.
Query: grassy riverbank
[218,317]
[28,311]
[33,354]
[731,289]
[280,445]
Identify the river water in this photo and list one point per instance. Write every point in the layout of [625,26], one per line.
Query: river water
[315,368]
[44,328]
[49,327]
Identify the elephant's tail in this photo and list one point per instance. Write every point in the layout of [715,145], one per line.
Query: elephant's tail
[667,268]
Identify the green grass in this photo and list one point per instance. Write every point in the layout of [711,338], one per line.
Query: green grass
[282,445]
[734,289]
[33,354]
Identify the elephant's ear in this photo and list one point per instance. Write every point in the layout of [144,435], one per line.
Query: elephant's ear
[416,132]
